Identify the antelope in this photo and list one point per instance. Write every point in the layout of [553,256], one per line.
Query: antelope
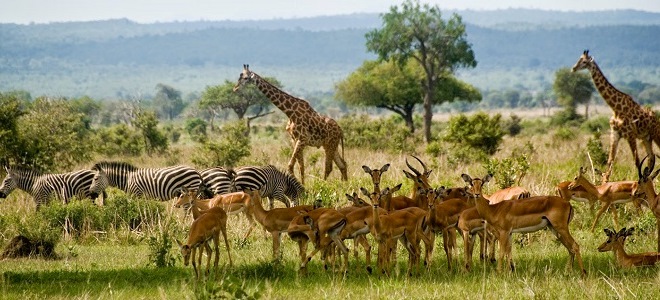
[275,221]
[323,227]
[232,203]
[615,242]
[207,226]
[404,225]
[471,223]
[526,215]
[609,193]
[647,192]
[357,203]
[443,217]
[375,175]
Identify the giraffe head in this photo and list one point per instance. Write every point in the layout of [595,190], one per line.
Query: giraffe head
[583,62]
[245,77]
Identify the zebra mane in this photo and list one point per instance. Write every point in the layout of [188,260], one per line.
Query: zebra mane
[25,169]
[113,164]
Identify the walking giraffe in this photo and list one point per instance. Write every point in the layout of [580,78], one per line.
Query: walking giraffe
[306,126]
[629,120]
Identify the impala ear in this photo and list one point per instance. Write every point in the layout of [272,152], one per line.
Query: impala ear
[365,192]
[608,232]
[384,168]
[179,243]
[396,187]
[487,178]
[466,178]
[366,169]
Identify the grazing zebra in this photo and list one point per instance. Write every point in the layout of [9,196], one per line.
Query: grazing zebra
[42,186]
[154,183]
[216,181]
[272,183]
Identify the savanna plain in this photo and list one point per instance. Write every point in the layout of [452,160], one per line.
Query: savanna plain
[119,263]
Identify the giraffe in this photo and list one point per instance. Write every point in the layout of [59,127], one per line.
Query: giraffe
[306,127]
[629,120]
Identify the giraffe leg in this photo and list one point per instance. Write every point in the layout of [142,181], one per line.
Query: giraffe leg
[632,142]
[298,156]
[341,164]
[329,158]
[614,141]
[648,145]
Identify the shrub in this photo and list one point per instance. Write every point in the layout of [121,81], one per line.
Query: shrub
[595,150]
[160,244]
[384,134]
[600,124]
[196,128]
[479,132]
[76,218]
[124,211]
[513,126]
[118,140]
[233,146]
[510,170]
[564,134]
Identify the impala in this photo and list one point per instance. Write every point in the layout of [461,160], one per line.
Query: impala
[526,215]
[375,175]
[232,203]
[471,223]
[404,225]
[609,193]
[442,218]
[615,242]
[207,226]
[322,226]
[275,221]
[647,192]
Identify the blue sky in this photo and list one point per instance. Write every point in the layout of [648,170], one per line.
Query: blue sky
[149,11]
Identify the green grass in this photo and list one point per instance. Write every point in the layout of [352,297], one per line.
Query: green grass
[115,264]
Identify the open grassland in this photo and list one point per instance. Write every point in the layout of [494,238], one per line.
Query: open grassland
[116,265]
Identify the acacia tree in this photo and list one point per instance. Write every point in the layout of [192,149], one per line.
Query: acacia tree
[419,32]
[573,89]
[168,100]
[248,99]
[397,88]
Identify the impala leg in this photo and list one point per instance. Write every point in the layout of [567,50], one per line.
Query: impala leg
[224,236]
[614,142]
[362,239]
[573,248]
[216,246]
[602,209]
[615,215]
[657,224]
[468,242]
[277,239]
[429,249]
[446,244]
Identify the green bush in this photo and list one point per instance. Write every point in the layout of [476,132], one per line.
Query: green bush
[510,170]
[479,131]
[123,211]
[597,124]
[565,134]
[232,146]
[383,134]
[36,228]
[161,243]
[76,218]
[196,128]
[596,151]
[512,126]
[566,118]
[118,140]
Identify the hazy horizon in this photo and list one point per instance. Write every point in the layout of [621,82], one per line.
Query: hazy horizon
[144,11]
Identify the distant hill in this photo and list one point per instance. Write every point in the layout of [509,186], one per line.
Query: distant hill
[117,58]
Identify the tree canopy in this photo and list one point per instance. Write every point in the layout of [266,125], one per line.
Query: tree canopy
[572,89]
[398,88]
[418,32]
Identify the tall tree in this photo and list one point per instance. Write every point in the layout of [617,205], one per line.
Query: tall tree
[572,89]
[398,88]
[418,31]
[247,99]
[168,100]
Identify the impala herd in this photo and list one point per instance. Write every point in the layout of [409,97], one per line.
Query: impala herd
[417,218]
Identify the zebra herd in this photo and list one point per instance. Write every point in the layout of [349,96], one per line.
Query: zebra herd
[153,183]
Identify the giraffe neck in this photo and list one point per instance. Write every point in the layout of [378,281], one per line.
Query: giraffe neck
[285,102]
[612,96]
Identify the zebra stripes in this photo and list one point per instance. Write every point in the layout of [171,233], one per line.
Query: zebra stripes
[272,183]
[216,181]
[154,183]
[42,186]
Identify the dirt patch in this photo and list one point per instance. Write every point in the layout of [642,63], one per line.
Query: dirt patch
[21,246]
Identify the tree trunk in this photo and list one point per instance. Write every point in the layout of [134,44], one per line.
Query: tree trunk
[428,111]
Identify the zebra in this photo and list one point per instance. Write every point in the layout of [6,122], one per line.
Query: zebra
[216,181]
[154,183]
[42,186]
[272,183]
